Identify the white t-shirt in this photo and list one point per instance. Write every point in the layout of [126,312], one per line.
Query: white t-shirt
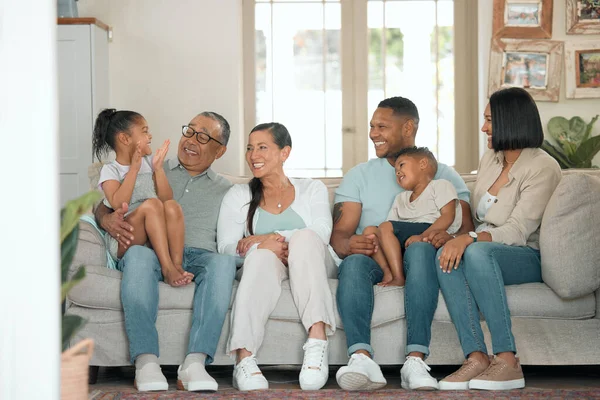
[144,184]
[426,208]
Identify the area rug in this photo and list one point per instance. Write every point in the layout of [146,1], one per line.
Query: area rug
[290,394]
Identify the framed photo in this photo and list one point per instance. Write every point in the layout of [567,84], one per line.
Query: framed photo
[522,19]
[583,17]
[534,65]
[582,60]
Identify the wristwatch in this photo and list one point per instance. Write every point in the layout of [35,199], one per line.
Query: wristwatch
[473,236]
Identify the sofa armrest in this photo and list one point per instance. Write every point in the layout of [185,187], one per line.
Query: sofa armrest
[91,249]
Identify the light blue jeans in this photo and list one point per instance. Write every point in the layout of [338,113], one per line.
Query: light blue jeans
[213,276]
[478,285]
[355,298]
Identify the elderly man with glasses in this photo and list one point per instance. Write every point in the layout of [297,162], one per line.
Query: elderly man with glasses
[199,191]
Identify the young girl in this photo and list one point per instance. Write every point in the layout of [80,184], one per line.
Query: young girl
[139,180]
[424,205]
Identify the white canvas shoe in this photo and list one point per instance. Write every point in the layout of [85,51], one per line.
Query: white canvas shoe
[247,375]
[415,375]
[315,367]
[361,373]
[150,378]
[195,378]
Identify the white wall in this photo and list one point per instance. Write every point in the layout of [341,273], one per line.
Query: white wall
[170,60]
[29,288]
[585,108]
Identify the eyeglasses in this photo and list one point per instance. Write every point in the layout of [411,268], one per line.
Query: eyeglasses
[201,137]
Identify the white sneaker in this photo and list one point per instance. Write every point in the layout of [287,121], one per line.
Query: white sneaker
[150,378]
[195,378]
[415,375]
[315,367]
[247,375]
[361,373]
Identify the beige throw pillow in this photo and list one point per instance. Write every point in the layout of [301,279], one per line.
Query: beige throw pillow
[570,237]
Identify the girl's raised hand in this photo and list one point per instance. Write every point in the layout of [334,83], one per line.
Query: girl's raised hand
[160,154]
[136,159]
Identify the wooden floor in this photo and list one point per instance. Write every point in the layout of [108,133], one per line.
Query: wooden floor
[286,377]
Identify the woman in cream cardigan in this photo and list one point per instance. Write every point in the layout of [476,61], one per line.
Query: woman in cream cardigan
[514,183]
[282,227]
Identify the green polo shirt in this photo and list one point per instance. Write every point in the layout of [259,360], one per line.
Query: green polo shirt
[200,198]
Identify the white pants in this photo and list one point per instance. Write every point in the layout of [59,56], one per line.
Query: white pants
[310,264]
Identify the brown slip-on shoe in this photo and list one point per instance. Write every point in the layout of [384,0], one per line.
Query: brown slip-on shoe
[499,376]
[459,380]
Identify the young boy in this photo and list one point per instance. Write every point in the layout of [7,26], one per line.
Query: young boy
[424,205]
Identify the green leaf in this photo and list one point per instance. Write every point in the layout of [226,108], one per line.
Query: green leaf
[70,325]
[587,151]
[67,252]
[588,130]
[75,209]
[558,127]
[569,147]
[576,129]
[68,285]
[557,154]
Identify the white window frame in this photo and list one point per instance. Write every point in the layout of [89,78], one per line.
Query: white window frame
[355,118]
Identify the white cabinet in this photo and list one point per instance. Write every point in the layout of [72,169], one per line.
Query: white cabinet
[83,91]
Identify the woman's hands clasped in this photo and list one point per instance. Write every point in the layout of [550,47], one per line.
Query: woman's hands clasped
[278,246]
[246,243]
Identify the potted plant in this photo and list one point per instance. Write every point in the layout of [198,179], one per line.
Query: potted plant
[75,360]
[576,145]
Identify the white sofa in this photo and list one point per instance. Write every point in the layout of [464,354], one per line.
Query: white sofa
[554,324]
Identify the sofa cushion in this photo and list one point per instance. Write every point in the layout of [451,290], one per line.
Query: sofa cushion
[569,237]
[101,290]
[536,300]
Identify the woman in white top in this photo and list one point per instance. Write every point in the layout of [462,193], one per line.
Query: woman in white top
[515,180]
[282,227]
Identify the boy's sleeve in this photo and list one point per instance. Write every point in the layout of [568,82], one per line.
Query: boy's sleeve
[454,178]
[444,193]
[349,189]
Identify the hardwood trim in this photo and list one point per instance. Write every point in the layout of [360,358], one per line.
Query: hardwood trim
[83,21]
[500,30]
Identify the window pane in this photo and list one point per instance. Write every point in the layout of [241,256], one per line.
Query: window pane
[299,84]
[413,58]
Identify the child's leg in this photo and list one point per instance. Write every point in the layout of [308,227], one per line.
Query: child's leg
[391,248]
[176,234]
[175,230]
[148,221]
[379,257]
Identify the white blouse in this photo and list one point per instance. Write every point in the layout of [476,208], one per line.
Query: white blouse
[311,203]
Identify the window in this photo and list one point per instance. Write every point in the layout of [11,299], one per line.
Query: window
[320,67]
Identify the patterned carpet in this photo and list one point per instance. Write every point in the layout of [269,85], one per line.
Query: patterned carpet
[554,394]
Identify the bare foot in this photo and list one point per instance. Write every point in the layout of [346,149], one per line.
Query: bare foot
[394,282]
[174,278]
[387,278]
[188,275]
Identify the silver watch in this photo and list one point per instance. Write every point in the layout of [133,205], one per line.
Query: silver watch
[473,236]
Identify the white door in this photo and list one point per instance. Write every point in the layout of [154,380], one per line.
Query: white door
[75,109]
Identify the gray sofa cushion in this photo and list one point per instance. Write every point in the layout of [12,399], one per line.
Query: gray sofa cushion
[569,241]
[101,290]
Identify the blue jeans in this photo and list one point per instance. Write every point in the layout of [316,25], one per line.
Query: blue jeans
[355,298]
[478,285]
[213,275]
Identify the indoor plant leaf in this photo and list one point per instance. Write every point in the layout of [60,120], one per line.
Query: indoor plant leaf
[577,128]
[588,130]
[557,154]
[70,325]
[559,129]
[587,151]
[74,209]
[68,285]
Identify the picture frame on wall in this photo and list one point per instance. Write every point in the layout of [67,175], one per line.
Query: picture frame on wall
[522,19]
[582,66]
[583,17]
[535,65]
